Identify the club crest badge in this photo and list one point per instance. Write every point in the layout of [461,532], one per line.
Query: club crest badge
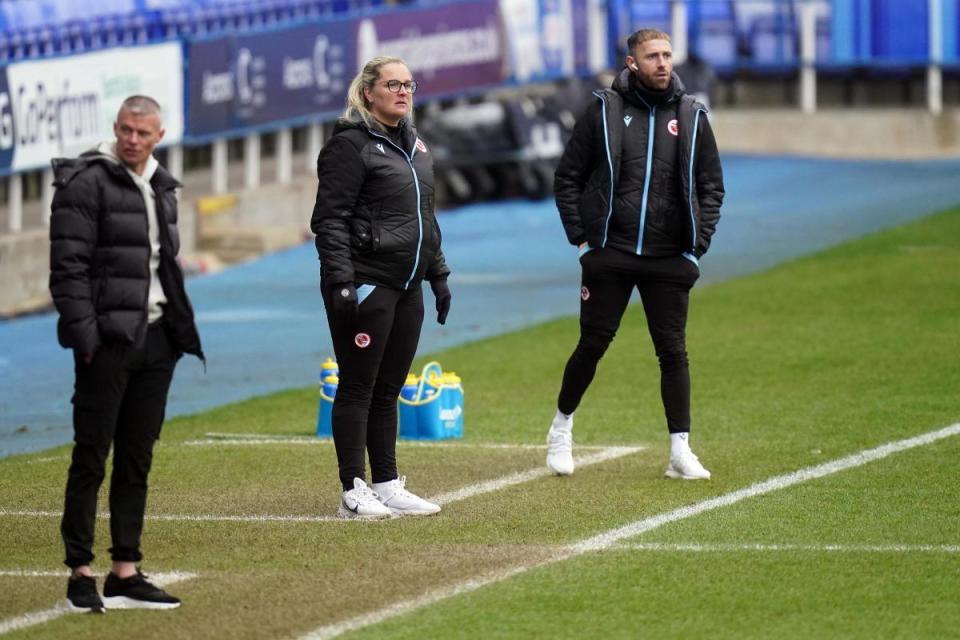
[362,340]
[422,148]
[672,127]
[584,294]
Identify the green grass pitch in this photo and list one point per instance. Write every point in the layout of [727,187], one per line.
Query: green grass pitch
[807,363]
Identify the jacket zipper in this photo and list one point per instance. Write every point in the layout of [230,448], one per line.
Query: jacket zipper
[648,170]
[416,185]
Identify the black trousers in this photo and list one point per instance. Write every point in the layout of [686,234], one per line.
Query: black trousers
[374,357]
[609,276]
[119,399]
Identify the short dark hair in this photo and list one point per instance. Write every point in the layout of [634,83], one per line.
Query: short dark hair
[641,36]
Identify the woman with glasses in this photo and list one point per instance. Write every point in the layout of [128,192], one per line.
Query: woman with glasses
[378,240]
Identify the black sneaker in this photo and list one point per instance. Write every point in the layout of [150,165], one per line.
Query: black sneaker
[136,592]
[82,596]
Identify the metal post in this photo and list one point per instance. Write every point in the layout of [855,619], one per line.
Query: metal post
[808,55]
[47,195]
[219,166]
[15,203]
[314,144]
[175,161]
[251,161]
[678,24]
[934,73]
[284,156]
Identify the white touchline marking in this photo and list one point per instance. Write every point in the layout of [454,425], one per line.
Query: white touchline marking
[61,609]
[825,548]
[776,483]
[445,498]
[217,439]
[48,459]
[186,517]
[526,476]
[609,538]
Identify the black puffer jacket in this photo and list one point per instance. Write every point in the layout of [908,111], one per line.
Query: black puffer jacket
[100,256]
[595,204]
[374,216]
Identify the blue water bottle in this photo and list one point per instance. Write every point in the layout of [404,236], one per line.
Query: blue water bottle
[325,413]
[328,368]
[407,407]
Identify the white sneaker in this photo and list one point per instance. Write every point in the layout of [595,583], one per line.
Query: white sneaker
[361,502]
[395,498]
[686,466]
[560,451]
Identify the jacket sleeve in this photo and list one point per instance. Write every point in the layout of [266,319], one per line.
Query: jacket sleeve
[73,240]
[341,173]
[575,168]
[438,269]
[709,186]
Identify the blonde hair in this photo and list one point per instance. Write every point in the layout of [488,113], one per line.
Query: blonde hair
[357,104]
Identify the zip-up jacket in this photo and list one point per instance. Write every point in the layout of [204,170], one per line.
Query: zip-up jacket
[374,215]
[615,187]
[100,256]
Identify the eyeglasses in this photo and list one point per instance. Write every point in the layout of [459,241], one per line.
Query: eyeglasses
[394,86]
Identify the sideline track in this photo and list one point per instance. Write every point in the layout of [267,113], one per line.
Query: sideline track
[512,268]
[609,539]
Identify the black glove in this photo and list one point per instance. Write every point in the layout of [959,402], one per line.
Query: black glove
[343,303]
[442,293]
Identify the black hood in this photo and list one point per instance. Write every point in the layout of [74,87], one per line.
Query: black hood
[65,169]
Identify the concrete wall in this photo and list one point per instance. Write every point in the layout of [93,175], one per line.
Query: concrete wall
[842,133]
[24,271]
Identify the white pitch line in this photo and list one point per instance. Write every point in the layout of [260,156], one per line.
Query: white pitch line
[609,538]
[821,548]
[61,609]
[186,517]
[526,476]
[463,493]
[218,440]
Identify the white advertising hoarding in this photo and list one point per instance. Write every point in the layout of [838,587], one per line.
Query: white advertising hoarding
[63,106]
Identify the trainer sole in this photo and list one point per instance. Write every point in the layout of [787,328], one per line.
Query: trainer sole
[402,513]
[345,514]
[72,608]
[124,602]
[676,475]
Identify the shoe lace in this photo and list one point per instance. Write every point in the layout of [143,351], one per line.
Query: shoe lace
[560,438]
[364,495]
[400,488]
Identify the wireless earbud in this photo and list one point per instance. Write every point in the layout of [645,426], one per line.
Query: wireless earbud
[634,67]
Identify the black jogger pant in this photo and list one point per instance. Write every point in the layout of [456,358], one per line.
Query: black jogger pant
[374,357]
[119,398]
[609,276]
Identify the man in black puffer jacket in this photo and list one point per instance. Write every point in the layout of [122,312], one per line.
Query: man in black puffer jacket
[124,311]
[639,189]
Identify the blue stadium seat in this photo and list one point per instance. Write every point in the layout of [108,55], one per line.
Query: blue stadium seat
[773,42]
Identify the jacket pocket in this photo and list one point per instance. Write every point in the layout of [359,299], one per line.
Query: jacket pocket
[362,235]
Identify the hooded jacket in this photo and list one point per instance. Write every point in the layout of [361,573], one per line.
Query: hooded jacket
[374,214]
[100,256]
[617,185]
